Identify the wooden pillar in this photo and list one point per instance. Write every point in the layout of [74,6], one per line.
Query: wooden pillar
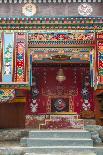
[98,99]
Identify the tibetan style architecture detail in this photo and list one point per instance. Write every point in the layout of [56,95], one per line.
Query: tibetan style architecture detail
[51,66]
[51,23]
[85,9]
[49,1]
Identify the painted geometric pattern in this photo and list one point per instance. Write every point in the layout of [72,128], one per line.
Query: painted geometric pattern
[0,56]
[6,95]
[20,55]
[92,68]
[7,69]
[49,1]
[72,35]
[100,57]
[47,23]
[71,38]
[45,53]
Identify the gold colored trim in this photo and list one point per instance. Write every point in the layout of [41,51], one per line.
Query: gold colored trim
[19,100]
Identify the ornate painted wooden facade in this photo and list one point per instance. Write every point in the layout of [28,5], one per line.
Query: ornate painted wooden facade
[28,41]
[59,35]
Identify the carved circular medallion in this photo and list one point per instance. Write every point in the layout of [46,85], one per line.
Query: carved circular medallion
[29,9]
[59,104]
[85,9]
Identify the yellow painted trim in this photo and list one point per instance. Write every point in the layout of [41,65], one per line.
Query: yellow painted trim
[19,100]
[63,113]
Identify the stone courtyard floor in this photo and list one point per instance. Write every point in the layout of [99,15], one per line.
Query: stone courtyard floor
[9,143]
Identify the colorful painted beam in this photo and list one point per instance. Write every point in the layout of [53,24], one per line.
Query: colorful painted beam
[51,23]
[50,1]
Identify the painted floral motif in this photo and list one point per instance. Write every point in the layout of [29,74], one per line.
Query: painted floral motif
[6,95]
[61,36]
[86,105]
[20,62]
[20,57]
[86,108]
[100,57]
[34,106]
[85,9]
[34,97]
[8,57]
[29,9]
[51,54]
[34,121]
[62,123]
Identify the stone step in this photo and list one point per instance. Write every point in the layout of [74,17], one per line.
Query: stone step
[55,142]
[64,150]
[58,149]
[74,134]
[71,153]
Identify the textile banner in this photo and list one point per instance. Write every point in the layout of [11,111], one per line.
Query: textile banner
[1,57]
[7,69]
[20,57]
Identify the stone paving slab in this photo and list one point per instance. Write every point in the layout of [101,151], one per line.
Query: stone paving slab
[23,150]
[12,151]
